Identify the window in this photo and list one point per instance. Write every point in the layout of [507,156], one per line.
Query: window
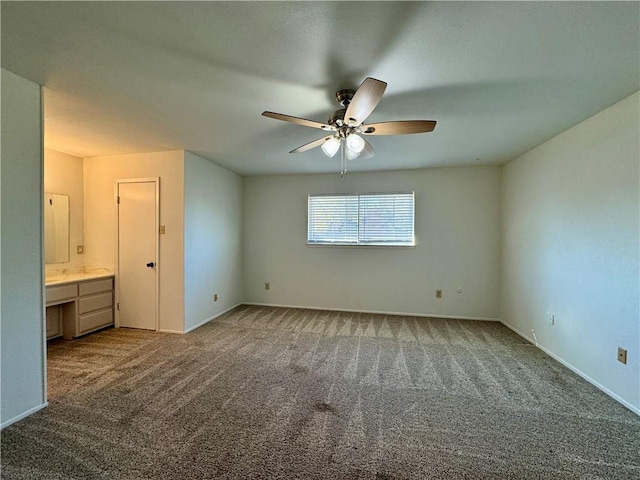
[361,219]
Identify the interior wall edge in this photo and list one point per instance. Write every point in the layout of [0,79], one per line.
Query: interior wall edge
[26,414]
[43,290]
[204,322]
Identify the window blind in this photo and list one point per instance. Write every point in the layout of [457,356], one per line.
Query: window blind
[361,219]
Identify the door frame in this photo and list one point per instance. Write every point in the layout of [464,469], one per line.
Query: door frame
[156,181]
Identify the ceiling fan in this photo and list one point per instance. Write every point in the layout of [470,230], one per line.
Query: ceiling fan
[346,127]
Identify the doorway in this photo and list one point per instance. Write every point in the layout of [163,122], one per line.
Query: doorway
[137,253]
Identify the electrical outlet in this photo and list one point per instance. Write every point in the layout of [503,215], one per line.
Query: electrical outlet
[438,293]
[215,297]
[551,318]
[267,286]
[622,355]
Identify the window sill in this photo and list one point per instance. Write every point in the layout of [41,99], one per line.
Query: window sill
[349,245]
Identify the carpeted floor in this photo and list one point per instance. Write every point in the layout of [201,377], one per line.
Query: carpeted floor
[286,393]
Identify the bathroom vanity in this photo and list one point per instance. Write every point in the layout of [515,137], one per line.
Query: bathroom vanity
[78,304]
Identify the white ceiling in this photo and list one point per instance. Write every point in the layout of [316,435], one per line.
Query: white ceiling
[499,78]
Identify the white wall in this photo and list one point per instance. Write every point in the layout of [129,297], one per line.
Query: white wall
[457,229]
[100,174]
[22,308]
[570,247]
[63,175]
[212,240]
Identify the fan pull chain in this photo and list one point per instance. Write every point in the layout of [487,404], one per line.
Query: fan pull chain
[343,159]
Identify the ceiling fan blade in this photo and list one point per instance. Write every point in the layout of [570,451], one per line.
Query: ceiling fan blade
[401,127]
[364,101]
[300,121]
[310,145]
[367,151]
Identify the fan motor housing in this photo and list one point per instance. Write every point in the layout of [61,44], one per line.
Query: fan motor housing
[344,96]
[337,117]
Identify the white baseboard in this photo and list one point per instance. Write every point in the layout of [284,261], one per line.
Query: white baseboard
[404,314]
[575,370]
[23,415]
[190,329]
[182,332]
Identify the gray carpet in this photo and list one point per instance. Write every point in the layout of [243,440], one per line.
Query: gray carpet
[285,393]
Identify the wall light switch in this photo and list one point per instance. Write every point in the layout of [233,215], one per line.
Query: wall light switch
[438,293]
[162,230]
[80,249]
[267,286]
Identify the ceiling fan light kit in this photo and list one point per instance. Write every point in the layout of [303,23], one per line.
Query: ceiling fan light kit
[347,126]
[331,146]
[355,143]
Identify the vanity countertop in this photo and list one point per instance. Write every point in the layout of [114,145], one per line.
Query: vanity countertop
[74,277]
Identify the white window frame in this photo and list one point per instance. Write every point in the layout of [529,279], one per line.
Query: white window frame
[355,236]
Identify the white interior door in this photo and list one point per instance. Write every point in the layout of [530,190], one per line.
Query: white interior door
[137,254]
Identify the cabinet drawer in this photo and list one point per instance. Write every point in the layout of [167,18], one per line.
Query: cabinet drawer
[91,321]
[89,288]
[55,294]
[95,302]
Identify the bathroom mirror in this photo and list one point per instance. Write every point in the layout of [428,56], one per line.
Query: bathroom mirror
[56,228]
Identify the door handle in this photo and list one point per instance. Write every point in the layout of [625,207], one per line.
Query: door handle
[151,264]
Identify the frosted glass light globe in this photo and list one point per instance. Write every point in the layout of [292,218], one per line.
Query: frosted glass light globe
[331,146]
[355,143]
